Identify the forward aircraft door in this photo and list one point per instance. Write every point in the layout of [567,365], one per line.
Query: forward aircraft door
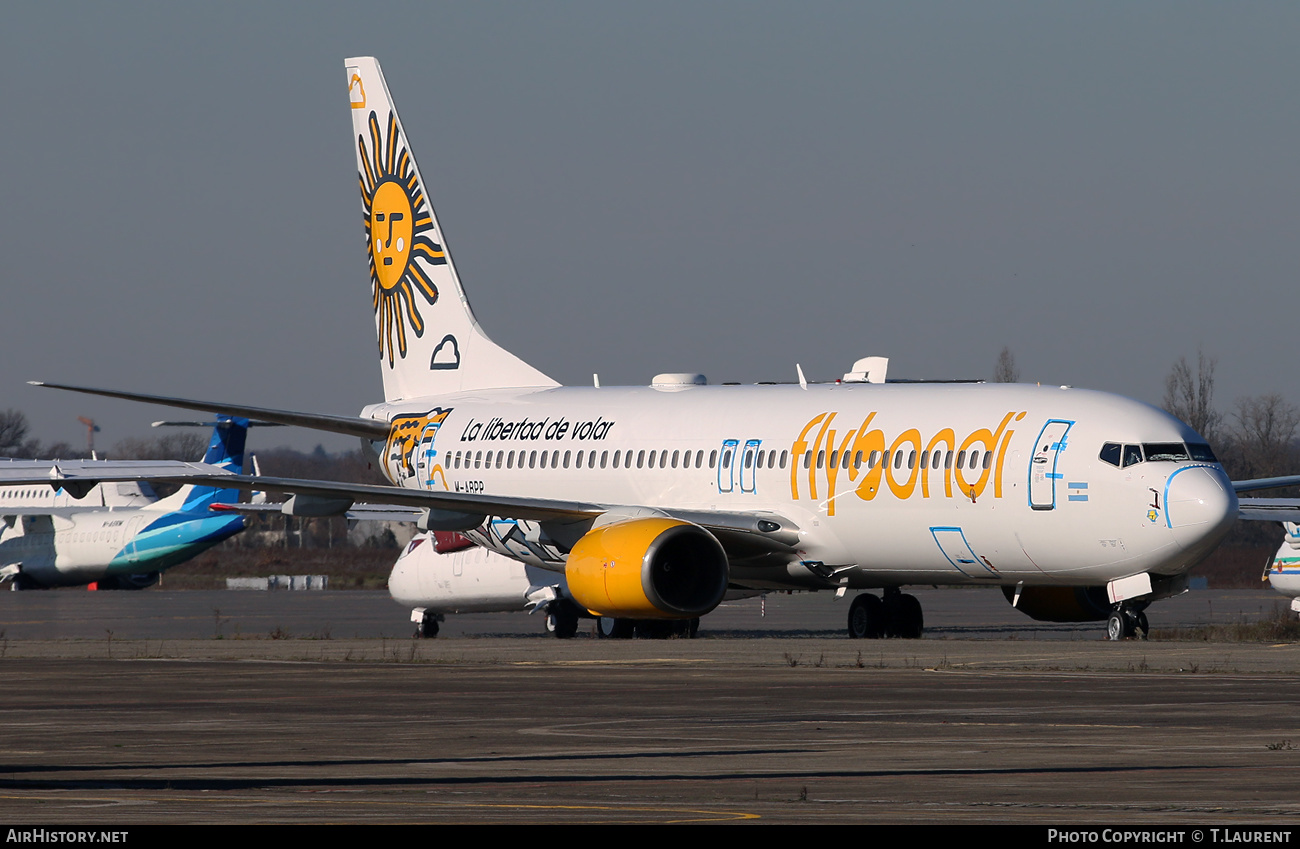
[1043,473]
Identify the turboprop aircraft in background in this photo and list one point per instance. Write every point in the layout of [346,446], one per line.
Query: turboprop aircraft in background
[653,501]
[56,532]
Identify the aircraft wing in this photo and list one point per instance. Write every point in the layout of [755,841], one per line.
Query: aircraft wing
[18,472]
[740,533]
[78,477]
[357,512]
[350,425]
[1266,483]
[1269,509]
[84,474]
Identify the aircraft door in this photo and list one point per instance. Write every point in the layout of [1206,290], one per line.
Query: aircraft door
[424,454]
[727,466]
[1043,473]
[128,537]
[748,464]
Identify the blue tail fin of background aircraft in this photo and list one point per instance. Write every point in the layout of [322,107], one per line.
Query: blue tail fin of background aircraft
[226,449]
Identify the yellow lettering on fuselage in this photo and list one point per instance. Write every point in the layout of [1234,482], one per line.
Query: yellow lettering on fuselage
[867,456]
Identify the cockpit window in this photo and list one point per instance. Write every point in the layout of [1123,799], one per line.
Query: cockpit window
[1110,453]
[1132,455]
[1201,452]
[1168,452]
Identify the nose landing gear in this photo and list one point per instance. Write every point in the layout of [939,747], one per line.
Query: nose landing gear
[1126,623]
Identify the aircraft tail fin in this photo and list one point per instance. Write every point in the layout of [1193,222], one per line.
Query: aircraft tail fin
[225,449]
[429,341]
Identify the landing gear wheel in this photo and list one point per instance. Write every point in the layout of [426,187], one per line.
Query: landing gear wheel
[1140,626]
[866,618]
[562,621]
[614,629]
[904,617]
[427,628]
[1117,626]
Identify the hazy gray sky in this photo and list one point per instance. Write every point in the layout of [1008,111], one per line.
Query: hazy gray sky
[636,188]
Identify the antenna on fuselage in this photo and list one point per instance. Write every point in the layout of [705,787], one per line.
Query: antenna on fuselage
[803,381]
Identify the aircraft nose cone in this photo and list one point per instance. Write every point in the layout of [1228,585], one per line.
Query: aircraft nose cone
[1200,505]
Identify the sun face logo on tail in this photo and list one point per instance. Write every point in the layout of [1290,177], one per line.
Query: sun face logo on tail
[399,227]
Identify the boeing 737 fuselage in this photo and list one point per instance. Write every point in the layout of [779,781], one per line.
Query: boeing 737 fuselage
[654,501]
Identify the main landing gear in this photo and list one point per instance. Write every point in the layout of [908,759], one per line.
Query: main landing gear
[895,615]
[426,624]
[562,619]
[1126,623]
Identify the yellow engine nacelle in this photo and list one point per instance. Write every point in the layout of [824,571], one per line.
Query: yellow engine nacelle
[648,569]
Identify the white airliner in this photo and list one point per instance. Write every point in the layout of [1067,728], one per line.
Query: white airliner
[653,501]
[440,572]
[117,535]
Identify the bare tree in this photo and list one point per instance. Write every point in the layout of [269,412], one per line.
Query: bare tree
[1006,371]
[13,431]
[1264,436]
[1190,396]
[173,446]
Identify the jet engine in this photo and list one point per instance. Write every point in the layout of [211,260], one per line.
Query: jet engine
[1061,604]
[647,568]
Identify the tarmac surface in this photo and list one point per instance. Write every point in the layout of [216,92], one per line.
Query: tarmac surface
[774,723]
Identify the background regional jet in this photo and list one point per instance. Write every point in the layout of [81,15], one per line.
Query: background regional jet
[654,501]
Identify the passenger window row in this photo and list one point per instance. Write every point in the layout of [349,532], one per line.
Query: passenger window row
[972,460]
[641,459]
